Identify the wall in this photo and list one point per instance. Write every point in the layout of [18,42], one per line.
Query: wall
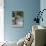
[43,6]
[1,21]
[29,7]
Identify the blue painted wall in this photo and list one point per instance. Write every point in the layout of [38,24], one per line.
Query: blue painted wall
[29,7]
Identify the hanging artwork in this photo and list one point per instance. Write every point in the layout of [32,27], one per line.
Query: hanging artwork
[17,18]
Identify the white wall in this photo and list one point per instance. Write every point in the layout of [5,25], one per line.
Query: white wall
[1,20]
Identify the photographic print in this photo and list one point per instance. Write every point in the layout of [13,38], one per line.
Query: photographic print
[17,18]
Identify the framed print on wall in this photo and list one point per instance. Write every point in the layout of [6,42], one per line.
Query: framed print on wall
[17,18]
